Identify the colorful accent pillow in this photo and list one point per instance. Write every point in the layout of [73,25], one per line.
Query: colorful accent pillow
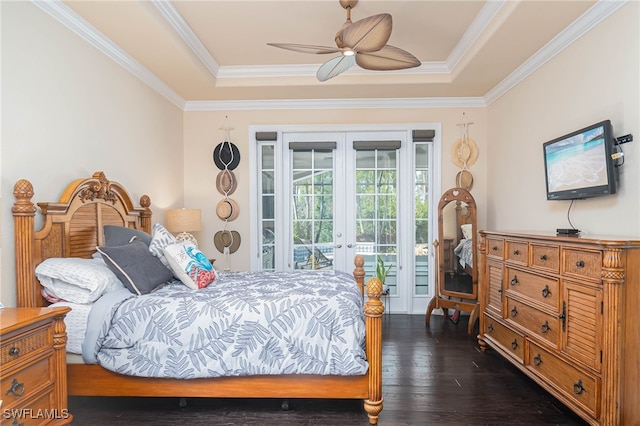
[161,238]
[76,280]
[139,270]
[190,265]
[121,235]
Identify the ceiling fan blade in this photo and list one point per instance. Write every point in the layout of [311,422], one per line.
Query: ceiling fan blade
[306,48]
[366,35]
[334,67]
[387,58]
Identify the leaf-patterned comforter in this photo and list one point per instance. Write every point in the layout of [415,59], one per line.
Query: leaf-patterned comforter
[244,323]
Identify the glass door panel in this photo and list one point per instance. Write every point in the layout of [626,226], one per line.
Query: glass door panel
[376,218]
[312,209]
[267,206]
[422,234]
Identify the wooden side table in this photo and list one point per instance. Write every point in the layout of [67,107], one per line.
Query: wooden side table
[33,380]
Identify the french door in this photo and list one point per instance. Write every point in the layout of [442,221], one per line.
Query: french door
[324,196]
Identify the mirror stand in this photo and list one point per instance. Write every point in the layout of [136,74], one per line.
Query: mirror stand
[456,257]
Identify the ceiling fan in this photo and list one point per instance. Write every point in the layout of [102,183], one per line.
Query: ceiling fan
[363,42]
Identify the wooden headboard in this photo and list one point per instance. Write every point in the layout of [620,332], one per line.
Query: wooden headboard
[72,227]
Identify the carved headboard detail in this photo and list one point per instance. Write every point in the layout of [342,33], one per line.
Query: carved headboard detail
[72,227]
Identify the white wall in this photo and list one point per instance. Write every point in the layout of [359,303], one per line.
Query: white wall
[594,79]
[68,111]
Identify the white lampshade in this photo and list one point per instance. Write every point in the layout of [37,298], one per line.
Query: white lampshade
[184,221]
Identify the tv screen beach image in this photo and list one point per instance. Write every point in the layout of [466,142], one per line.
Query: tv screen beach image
[577,162]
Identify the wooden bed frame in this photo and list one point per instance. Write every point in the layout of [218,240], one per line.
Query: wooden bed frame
[72,227]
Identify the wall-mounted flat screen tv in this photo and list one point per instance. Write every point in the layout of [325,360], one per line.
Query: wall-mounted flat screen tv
[580,164]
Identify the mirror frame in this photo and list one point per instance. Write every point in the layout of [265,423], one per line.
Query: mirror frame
[458,195]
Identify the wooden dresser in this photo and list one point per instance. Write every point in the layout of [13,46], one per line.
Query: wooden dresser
[565,311]
[33,377]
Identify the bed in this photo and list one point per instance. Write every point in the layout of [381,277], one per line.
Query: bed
[73,228]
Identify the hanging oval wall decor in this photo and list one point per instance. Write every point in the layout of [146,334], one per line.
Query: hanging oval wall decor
[464,180]
[464,152]
[226,182]
[226,155]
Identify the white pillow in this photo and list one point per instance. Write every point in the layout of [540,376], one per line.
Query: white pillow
[161,239]
[76,280]
[190,265]
[467,231]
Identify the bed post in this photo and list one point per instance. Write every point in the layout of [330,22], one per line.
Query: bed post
[145,214]
[373,310]
[24,211]
[359,273]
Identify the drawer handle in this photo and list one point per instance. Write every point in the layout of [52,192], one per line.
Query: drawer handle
[544,328]
[578,388]
[546,292]
[537,360]
[543,257]
[514,280]
[14,351]
[514,344]
[490,328]
[494,248]
[580,263]
[17,388]
[516,252]
[514,312]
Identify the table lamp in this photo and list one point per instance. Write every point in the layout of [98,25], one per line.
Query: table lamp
[183,222]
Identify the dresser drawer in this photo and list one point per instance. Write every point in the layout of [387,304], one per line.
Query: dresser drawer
[517,251]
[582,263]
[35,411]
[21,346]
[578,386]
[495,248]
[538,323]
[495,291]
[20,385]
[540,289]
[509,340]
[545,257]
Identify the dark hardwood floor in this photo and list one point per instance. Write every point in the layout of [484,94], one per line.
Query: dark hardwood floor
[430,376]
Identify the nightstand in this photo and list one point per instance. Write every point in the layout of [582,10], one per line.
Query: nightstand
[33,380]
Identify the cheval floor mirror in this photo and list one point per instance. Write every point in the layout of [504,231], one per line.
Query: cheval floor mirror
[456,257]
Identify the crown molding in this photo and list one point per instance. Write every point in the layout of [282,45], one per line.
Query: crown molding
[601,10]
[67,17]
[475,30]
[316,104]
[269,71]
[185,32]
[585,23]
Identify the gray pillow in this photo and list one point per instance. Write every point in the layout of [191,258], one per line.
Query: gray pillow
[121,235]
[139,270]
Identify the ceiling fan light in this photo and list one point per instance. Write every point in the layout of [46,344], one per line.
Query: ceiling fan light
[348,52]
